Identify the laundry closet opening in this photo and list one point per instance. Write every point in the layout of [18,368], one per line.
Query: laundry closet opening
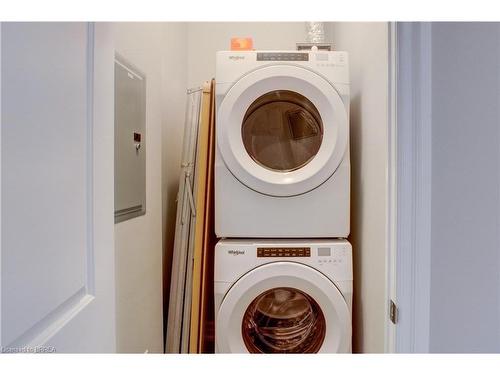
[286,150]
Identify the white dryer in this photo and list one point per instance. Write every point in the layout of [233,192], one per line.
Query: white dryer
[291,296]
[282,164]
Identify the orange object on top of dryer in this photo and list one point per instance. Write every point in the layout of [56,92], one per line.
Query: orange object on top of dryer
[241,44]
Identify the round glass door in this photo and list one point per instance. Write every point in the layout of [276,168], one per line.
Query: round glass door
[282,130]
[283,307]
[283,320]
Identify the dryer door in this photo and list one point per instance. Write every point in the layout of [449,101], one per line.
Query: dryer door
[282,130]
[283,307]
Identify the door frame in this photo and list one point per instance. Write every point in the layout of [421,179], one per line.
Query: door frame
[409,177]
[1,182]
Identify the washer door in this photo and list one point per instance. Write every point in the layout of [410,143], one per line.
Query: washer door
[283,307]
[282,130]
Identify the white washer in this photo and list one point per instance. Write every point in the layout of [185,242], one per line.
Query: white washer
[282,166]
[291,296]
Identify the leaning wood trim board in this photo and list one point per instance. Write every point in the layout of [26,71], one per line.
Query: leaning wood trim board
[207,334]
[200,203]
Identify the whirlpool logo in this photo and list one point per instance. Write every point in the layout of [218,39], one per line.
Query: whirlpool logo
[236,57]
[236,252]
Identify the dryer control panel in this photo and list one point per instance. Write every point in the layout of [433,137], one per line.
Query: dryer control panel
[282,56]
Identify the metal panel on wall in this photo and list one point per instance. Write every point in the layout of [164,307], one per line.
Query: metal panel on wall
[130,141]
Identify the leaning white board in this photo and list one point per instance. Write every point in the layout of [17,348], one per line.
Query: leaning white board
[179,310]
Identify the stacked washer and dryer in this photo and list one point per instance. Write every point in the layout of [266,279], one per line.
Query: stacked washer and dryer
[283,266]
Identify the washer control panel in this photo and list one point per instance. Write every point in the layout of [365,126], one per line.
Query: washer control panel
[328,255]
[283,252]
[236,257]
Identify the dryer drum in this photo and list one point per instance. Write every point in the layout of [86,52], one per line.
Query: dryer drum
[282,130]
[283,320]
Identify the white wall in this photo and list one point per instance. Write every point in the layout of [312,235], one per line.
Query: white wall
[465,243]
[174,78]
[367,44]
[206,38]
[139,241]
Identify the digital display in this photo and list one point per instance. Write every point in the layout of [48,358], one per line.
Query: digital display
[282,56]
[324,251]
[283,252]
